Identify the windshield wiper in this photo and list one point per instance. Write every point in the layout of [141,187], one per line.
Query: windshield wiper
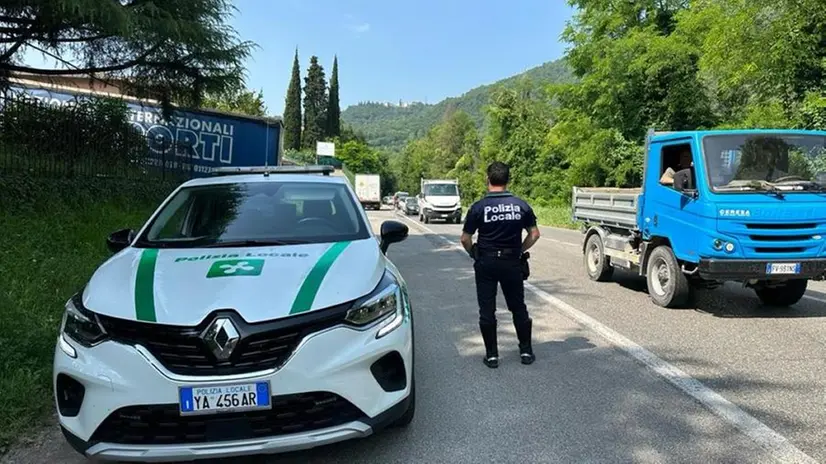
[757,186]
[189,242]
[244,243]
[808,185]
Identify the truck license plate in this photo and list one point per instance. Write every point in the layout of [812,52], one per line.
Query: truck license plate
[783,268]
[224,398]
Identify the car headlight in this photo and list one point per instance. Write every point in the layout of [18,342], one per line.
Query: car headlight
[384,304]
[80,324]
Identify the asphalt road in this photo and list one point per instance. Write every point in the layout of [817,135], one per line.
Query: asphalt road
[606,386]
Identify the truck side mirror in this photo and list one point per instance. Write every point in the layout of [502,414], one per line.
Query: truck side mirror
[684,182]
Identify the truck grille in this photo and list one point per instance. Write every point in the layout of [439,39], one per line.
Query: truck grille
[262,346]
[164,425]
[777,241]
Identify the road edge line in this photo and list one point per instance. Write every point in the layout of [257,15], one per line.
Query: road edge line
[764,436]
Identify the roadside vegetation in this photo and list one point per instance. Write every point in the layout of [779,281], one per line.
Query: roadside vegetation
[47,255]
[69,176]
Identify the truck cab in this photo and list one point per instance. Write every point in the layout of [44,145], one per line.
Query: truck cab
[440,199]
[746,206]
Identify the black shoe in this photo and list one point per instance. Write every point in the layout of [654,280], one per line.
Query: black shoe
[492,362]
[491,346]
[523,333]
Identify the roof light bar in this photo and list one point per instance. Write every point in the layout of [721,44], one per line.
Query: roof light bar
[267,170]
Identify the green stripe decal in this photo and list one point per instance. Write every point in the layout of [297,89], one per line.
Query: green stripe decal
[306,294]
[145,286]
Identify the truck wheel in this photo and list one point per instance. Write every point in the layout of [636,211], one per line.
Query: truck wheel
[667,284]
[782,295]
[596,263]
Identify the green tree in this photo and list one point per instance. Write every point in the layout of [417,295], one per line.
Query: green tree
[333,108]
[237,100]
[359,157]
[176,50]
[292,109]
[315,104]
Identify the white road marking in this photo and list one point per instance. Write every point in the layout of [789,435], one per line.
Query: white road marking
[814,298]
[560,241]
[771,441]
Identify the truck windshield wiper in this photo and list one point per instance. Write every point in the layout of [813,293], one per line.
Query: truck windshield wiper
[757,186]
[243,243]
[808,185]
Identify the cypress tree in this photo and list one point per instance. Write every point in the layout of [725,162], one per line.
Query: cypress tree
[333,108]
[292,109]
[315,105]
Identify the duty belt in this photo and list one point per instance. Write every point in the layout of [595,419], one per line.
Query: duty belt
[501,253]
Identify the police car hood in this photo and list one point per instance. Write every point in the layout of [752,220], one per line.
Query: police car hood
[183,286]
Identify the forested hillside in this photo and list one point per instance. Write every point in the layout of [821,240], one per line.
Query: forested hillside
[390,127]
[639,64]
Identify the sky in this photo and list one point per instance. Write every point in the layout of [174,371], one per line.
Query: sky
[391,50]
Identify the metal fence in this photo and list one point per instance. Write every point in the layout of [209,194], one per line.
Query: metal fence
[84,141]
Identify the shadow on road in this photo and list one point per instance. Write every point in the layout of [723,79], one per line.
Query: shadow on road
[729,301]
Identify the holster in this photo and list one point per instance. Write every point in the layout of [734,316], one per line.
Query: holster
[523,264]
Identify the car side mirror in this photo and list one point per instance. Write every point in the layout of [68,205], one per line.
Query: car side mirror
[684,182]
[392,232]
[119,240]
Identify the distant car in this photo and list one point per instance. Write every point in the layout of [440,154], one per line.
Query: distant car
[388,200]
[411,206]
[398,199]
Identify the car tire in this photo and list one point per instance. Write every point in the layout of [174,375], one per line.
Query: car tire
[410,412]
[597,264]
[783,295]
[668,286]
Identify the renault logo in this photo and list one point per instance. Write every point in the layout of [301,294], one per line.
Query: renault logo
[221,338]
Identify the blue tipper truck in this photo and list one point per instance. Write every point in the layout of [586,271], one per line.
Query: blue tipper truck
[746,206]
[193,140]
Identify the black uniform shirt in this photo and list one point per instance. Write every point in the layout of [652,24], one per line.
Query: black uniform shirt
[499,218]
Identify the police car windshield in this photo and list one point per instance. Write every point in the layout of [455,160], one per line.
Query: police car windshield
[257,213]
[443,190]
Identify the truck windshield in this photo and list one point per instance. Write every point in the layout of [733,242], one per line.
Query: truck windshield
[766,162]
[256,213]
[443,190]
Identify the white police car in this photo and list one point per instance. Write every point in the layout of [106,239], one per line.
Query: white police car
[253,313]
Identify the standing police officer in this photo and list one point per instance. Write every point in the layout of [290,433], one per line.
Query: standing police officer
[500,217]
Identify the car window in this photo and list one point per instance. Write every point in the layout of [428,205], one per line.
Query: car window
[289,212]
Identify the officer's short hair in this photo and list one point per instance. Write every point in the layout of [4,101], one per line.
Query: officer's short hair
[498,173]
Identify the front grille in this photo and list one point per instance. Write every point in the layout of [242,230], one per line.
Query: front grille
[769,226]
[772,241]
[163,424]
[262,346]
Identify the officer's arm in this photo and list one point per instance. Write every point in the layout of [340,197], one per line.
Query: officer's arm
[531,239]
[469,228]
[467,241]
[531,227]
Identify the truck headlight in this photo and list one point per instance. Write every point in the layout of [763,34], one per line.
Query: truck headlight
[721,245]
[80,324]
[384,304]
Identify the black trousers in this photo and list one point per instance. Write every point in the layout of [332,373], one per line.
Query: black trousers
[492,271]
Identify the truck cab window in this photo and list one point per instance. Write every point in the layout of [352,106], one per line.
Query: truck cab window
[675,158]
